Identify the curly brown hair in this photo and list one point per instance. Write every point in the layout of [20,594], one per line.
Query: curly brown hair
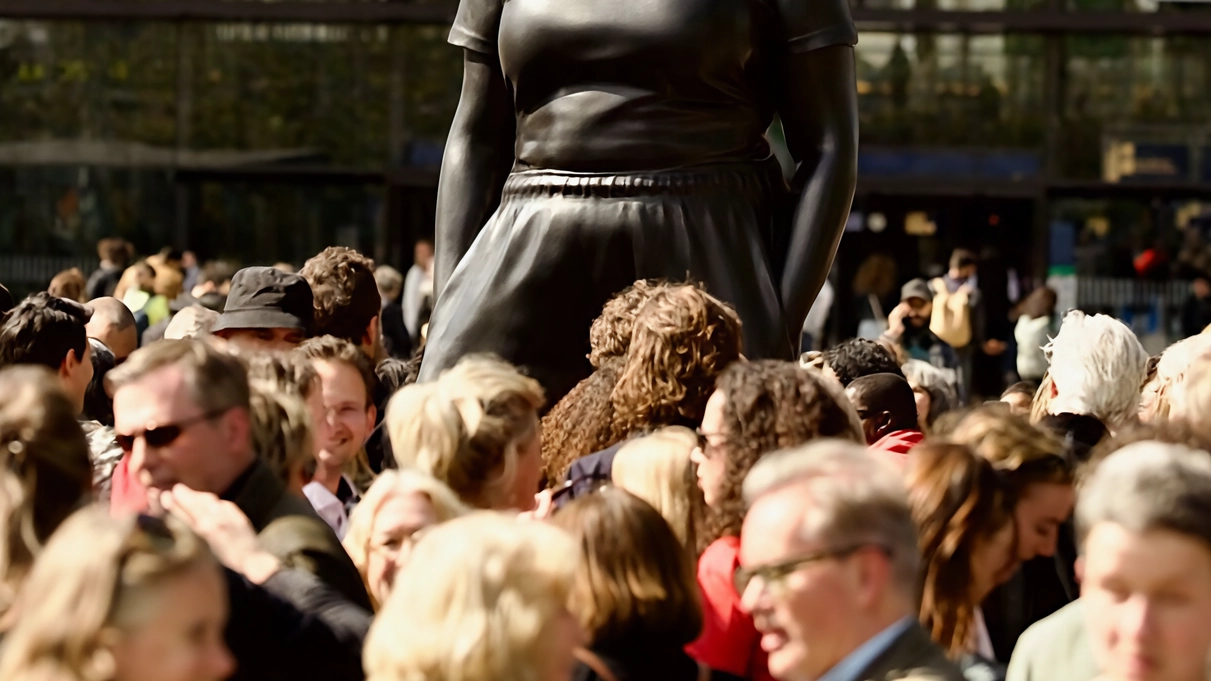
[345,293]
[610,335]
[957,500]
[771,405]
[683,340]
[582,422]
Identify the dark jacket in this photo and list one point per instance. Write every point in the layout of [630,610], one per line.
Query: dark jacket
[396,340]
[293,628]
[288,528]
[640,662]
[912,656]
[103,282]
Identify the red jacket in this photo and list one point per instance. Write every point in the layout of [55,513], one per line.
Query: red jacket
[898,443]
[729,642]
[127,495]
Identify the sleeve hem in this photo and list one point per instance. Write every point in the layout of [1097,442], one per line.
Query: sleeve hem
[825,37]
[461,37]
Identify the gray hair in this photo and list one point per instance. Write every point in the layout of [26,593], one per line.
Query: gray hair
[939,383]
[1148,486]
[194,321]
[1097,365]
[388,279]
[854,497]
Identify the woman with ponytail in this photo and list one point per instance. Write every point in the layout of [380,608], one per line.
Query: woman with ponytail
[476,430]
[964,512]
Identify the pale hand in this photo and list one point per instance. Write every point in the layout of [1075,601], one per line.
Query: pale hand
[225,528]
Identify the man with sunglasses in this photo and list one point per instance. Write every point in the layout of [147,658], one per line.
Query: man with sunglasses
[181,414]
[829,569]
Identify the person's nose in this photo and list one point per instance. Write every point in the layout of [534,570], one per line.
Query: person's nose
[697,456]
[142,457]
[755,598]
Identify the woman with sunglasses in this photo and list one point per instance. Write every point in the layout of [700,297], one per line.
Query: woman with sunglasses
[137,599]
[634,592]
[383,528]
[964,514]
[757,408]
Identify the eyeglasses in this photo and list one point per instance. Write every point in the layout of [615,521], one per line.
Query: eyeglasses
[774,574]
[158,436]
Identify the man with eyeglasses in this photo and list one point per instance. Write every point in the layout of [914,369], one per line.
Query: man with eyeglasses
[181,415]
[829,569]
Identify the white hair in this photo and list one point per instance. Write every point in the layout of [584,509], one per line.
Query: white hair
[1097,365]
[194,321]
[1174,371]
[854,497]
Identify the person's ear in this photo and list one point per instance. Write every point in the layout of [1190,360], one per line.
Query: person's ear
[371,415]
[1054,391]
[370,338]
[884,423]
[873,576]
[237,429]
[69,364]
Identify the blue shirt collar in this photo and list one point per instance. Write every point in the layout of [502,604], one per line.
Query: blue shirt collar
[850,668]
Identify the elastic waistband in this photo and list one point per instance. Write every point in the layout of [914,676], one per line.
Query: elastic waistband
[747,179]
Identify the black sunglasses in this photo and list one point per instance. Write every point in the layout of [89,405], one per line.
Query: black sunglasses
[161,436]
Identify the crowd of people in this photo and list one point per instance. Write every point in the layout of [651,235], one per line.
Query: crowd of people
[214,473]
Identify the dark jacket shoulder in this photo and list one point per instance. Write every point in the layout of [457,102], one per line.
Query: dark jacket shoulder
[288,528]
[912,657]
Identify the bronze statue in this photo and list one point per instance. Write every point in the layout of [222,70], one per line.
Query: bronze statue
[599,142]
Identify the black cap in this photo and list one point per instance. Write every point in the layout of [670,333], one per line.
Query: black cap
[265,298]
[917,288]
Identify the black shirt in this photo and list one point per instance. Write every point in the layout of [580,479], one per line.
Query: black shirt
[635,85]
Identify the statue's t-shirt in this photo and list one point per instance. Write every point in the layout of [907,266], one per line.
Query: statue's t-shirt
[644,85]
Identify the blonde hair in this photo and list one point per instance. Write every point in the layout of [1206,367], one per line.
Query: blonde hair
[1193,395]
[97,574]
[1042,399]
[1023,453]
[465,428]
[657,469]
[473,603]
[45,451]
[633,584]
[389,485]
[281,431]
[168,281]
[1172,370]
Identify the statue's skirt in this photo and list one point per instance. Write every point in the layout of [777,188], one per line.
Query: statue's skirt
[561,244]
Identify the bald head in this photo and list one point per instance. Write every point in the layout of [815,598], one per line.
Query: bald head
[885,403]
[113,324]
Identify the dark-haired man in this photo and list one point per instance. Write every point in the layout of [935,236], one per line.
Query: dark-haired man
[888,409]
[347,302]
[908,327]
[859,357]
[50,331]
